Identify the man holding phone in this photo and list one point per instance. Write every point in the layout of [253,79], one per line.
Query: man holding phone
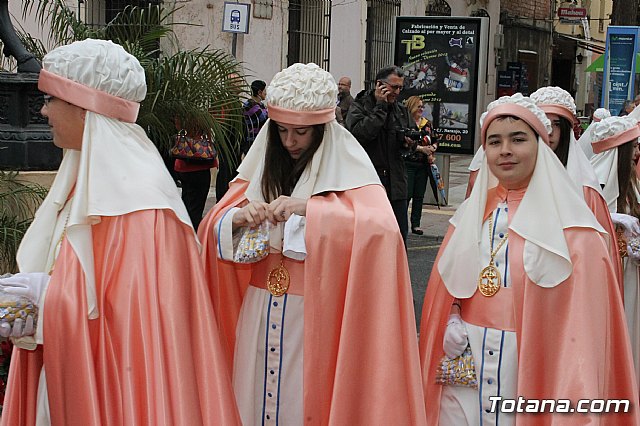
[376,120]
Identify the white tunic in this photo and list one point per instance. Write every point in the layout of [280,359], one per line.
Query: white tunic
[268,361]
[494,351]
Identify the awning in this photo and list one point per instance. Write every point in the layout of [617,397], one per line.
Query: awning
[598,64]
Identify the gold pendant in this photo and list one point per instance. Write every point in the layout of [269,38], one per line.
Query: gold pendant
[489,280]
[278,280]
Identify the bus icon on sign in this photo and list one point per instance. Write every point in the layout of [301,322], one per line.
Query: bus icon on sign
[235,16]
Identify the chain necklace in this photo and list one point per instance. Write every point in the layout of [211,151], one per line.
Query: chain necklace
[489,281]
[56,249]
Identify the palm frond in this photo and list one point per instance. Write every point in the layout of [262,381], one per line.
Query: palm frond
[18,202]
[199,88]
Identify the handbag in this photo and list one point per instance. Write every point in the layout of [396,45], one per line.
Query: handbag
[460,371]
[193,149]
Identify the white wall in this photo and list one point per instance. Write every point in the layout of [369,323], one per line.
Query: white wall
[348,32]
[262,51]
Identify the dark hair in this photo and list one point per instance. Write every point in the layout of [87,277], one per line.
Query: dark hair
[562,150]
[385,72]
[281,172]
[626,180]
[625,105]
[256,86]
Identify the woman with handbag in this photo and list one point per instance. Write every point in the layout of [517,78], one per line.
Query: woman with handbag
[195,156]
[418,163]
[309,274]
[523,292]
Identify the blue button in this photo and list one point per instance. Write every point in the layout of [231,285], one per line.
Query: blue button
[490,381]
[490,352]
[506,209]
[273,326]
[268,417]
[270,395]
[501,235]
[273,349]
[272,372]
[487,410]
[275,303]
[497,263]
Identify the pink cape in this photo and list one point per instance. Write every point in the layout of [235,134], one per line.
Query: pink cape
[153,355]
[361,364]
[572,339]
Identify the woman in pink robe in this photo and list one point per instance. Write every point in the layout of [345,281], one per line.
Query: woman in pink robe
[338,346]
[126,333]
[553,327]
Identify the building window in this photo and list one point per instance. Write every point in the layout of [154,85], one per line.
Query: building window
[438,8]
[381,16]
[99,12]
[309,29]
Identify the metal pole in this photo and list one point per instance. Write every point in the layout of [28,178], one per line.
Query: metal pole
[234,43]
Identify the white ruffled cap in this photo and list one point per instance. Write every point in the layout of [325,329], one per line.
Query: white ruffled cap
[303,87]
[100,64]
[611,126]
[552,95]
[601,113]
[117,171]
[522,101]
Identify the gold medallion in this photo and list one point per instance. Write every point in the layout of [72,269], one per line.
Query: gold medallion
[489,280]
[278,280]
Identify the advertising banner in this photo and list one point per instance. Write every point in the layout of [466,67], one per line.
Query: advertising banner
[444,60]
[619,67]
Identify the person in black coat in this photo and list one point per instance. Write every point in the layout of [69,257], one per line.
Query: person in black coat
[377,121]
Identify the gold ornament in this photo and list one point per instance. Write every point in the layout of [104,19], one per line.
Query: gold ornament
[489,280]
[278,280]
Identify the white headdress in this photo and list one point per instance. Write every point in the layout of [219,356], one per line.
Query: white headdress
[305,94]
[555,100]
[551,194]
[606,136]
[117,171]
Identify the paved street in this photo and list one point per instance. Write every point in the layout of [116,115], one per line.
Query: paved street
[422,249]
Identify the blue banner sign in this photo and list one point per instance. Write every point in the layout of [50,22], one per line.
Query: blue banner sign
[619,69]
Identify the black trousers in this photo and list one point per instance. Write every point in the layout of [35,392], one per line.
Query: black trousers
[195,188]
[400,209]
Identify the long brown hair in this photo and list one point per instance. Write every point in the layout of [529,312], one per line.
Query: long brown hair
[627,180]
[562,150]
[281,172]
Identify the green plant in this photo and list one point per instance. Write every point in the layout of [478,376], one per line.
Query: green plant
[200,87]
[18,203]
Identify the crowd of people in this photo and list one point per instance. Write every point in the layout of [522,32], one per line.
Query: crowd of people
[291,303]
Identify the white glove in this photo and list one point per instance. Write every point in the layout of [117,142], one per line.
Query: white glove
[20,328]
[455,337]
[32,285]
[629,223]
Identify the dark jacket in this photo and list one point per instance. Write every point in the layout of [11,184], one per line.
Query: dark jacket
[375,125]
[344,103]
